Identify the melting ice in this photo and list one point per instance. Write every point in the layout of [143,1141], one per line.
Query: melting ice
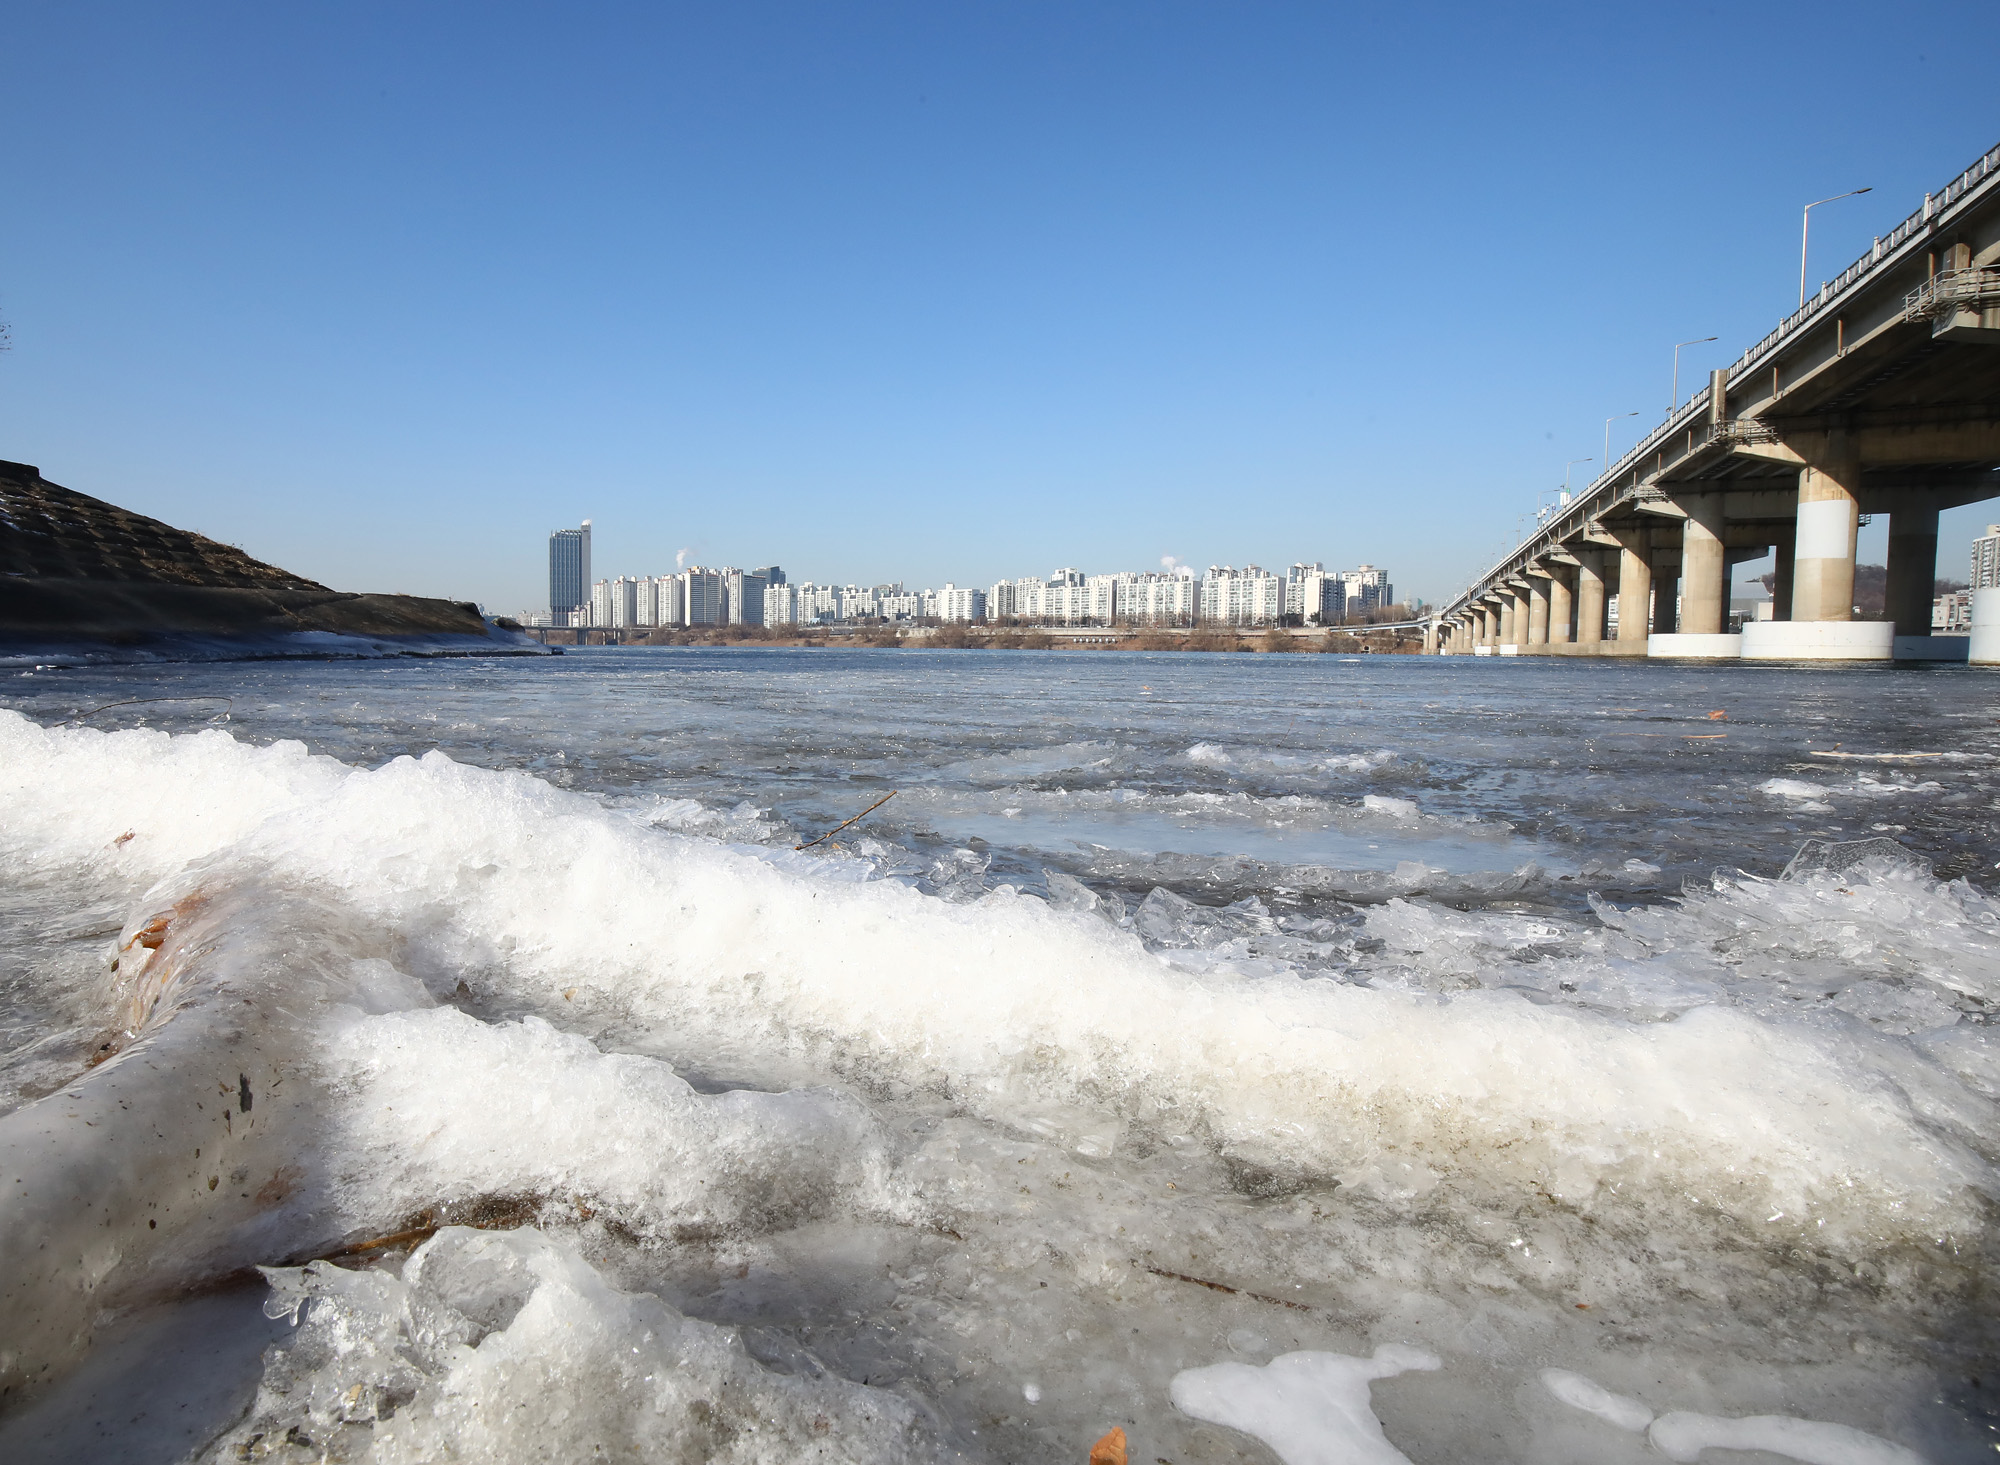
[1356,1057]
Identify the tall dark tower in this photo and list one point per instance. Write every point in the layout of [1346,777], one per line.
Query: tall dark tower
[569,570]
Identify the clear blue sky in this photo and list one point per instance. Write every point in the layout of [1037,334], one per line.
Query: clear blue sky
[383,293]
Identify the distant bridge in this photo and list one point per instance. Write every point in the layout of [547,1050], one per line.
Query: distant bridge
[1881,395]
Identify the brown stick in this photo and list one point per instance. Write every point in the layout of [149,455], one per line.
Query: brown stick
[855,820]
[1224,1287]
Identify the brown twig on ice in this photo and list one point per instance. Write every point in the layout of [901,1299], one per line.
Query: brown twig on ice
[1225,1287]
[855,820]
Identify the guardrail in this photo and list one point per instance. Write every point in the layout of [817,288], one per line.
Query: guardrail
[1885,251]
[1949,291]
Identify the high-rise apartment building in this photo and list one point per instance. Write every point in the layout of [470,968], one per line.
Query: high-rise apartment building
[1986,559]
[1368,589]
[706,597]
[744,598]
[672,600]
[1314,596]
[624,602]
[1250,596]
[569,571]
[961,603]
[1020,599]
[1159,600]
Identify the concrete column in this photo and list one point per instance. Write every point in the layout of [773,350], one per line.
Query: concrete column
[1784,564]
[1913,536]
[1635,591]
[1538,611]
[1704,567]
[1589,597]
[1666,597]
[1430,638]
[1823,555]
[1507,618]
[1560,604]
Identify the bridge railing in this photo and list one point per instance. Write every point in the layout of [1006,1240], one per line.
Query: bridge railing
[1882,252]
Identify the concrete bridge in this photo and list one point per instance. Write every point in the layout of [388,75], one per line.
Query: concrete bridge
[1881,395]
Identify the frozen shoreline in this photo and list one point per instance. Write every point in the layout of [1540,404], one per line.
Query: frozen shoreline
[942,1140]
[29,652]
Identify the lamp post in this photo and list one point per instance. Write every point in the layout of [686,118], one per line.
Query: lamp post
[1805,229]
[1566,467]
[1675,398]
[1607,432]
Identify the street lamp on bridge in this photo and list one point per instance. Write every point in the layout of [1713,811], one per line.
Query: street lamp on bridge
[1540,513]
[1674,399]
[1607,434]
[1805,228]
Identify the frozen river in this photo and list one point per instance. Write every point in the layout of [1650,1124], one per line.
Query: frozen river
[1178,1013]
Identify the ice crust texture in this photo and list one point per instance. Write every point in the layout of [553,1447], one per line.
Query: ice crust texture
[720,1077]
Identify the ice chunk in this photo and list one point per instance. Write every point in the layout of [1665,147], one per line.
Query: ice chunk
[1394,808]
[1792,788]
[1682,1436]
[510,1347]
[1837,857]
[1067,893]
[447,1108]
[1310,1408]
[1581,1393]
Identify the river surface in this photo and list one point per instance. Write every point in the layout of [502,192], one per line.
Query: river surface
[1275,1057]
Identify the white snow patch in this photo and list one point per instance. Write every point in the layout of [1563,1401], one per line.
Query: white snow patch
[1310,1408]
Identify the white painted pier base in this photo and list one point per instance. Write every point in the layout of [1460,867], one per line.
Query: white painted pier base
[1985,647]
[1706,645]
[1823,640]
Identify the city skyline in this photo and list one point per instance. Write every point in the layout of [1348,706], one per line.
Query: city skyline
[1175,594]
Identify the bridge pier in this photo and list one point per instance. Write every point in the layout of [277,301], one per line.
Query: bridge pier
[1913,543]
[1635,589]
[1589,599]
[1829,516]
[1822,625]
[1666,595]
[1784,562]
[1560,604]
[1704,571]
[1538,612]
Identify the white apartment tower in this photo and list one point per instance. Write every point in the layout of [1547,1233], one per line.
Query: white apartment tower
[1159,600]
[961,603]
[1250,596]
[1986,559]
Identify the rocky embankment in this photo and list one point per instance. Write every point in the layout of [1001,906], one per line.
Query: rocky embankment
[79,574]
